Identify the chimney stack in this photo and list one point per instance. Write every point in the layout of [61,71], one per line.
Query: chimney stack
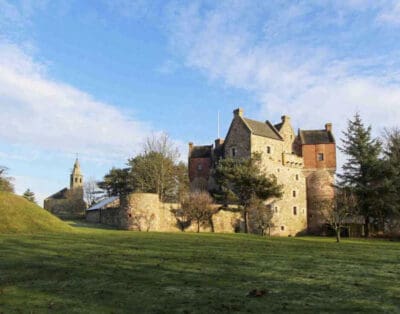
[328,127]
[218,142]
[190,147]
[285,118]
[238,112]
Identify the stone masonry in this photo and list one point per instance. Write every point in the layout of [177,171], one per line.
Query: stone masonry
[304,164]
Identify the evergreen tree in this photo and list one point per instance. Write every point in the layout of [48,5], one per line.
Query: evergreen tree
[361,170]
[392,172]
[29,195]
[242,181]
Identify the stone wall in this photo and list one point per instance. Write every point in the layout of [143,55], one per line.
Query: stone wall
[238,137]
[71,206]
[290,212]
[144,212]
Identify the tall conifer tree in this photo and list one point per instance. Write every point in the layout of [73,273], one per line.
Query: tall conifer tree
[360,170]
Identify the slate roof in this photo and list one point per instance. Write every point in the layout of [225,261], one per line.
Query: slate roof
[59,195]
[103,203]
[315,137]
[201,151]
[265,129]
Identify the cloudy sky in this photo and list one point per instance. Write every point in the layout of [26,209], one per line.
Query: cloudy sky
[95,78]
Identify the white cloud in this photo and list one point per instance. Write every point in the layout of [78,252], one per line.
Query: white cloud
[53,116]
[390,15]
[307,80]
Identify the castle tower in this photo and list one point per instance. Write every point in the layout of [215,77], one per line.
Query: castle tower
[76,180]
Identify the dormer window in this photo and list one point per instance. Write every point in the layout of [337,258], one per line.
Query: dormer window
[320,156]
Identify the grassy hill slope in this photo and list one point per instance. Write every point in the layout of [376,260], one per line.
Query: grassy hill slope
[17,215]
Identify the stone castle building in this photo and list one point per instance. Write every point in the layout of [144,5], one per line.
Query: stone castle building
[304,163]
[68,203]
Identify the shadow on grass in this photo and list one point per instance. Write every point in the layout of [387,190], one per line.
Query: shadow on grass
[85,224]
[179,273]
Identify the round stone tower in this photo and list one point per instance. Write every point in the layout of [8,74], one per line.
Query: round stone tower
[320,194]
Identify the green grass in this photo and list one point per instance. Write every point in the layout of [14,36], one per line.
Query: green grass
[109,271]
[17,215]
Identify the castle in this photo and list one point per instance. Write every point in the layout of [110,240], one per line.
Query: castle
[68,203]
[305,164]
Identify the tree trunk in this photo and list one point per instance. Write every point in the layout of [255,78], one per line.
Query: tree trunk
[212,225]
[198,226]
[246,221]
[338,234]
[366,227]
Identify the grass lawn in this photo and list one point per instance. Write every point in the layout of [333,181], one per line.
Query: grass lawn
[108,271]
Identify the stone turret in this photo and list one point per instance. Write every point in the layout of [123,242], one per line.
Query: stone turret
[76,180]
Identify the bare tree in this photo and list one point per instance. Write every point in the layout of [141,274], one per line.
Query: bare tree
[5,182]
[339,210]
[197,206]
[92,192]
[143,220]
[261,216]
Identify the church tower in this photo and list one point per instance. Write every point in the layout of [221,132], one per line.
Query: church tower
[76,180]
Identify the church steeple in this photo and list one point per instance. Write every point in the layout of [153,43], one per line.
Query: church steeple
[76,180]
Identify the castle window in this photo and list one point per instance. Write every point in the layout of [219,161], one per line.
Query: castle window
[80,181]
[276,209]
[199,167]
[294,210]
[297,177]
[294,193]
[76,180]
[283,228]
[320,156]
[269,150]
[233,151]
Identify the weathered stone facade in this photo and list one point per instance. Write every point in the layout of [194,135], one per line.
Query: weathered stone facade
[144,212]
[293,160]
[68,203]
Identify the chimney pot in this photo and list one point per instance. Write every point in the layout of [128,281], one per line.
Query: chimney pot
[328,127]
[238,112]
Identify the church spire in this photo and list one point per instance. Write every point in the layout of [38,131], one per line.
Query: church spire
[76,176]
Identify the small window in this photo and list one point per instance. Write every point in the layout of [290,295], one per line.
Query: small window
[320,156]
[233,152]
[268,149]
[276,209]
[80,180]
[76,180]
[294,193]
[297,177]
[199,167]
[294,210]
[283,228]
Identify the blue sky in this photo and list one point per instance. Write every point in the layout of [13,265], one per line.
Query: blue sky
[97,77]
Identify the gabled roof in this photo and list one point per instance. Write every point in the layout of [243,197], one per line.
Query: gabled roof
[103,203]
[265,129]
[59,195]
[201,151]
[278,126]
[315,137]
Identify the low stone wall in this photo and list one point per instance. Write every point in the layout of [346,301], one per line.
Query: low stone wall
[144,212]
